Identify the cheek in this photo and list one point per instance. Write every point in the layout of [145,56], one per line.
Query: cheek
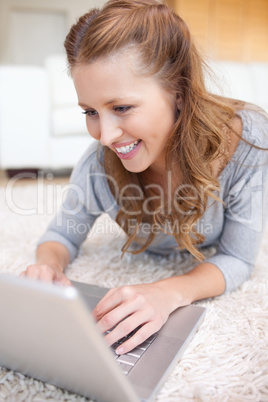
[167,121]
[93,129]
[161,125]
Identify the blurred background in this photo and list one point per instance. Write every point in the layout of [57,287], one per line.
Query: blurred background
[228,29]
[41,126]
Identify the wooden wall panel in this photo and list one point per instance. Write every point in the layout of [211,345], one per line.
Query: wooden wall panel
[256,33]
[196,14]
[228,29]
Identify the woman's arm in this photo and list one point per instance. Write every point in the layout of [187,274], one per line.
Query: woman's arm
[204,281]
[51,260]
[149,305]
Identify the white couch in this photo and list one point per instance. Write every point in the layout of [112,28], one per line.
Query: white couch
[244,81]
[42,127]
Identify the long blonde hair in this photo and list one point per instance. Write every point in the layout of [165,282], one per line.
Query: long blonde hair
[166,50]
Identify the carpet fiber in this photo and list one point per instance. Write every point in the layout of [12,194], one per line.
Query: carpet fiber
[228,357]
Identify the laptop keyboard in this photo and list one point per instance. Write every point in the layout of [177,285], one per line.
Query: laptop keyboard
[127,361]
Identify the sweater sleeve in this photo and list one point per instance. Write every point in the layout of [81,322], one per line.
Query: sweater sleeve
[246,207]
[86,197]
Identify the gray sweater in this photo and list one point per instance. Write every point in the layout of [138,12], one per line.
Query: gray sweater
[235,228]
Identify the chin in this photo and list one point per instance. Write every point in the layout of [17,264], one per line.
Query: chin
[135,168]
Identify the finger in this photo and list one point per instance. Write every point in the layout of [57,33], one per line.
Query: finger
[131,323]
[121,330]
[47,275]
[66,282]
[138,315]
[128,307]
[40,272]
[110,301]
[114,298]
[63,280]
[138,338]
[32,272]
[113,318]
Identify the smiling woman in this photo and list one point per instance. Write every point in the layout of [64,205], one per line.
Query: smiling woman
[170,156]
[125,109]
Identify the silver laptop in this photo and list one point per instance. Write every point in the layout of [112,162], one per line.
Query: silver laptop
[47,332]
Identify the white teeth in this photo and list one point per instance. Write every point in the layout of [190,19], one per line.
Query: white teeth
[127,148]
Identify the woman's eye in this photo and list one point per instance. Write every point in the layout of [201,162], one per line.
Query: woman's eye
[122,109]
[90,112]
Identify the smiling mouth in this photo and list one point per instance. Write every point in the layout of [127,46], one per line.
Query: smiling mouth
[128,148]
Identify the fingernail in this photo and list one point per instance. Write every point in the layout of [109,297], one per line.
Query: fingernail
[119,351]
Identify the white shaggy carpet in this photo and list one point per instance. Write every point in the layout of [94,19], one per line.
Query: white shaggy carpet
[228,357]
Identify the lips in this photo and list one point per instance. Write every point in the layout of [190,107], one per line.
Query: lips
[127,151]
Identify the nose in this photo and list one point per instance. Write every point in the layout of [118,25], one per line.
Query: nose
[110,131]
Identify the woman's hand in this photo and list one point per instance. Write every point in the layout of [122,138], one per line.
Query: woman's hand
[128,307]
[148,306]
[47,273]
[52,258]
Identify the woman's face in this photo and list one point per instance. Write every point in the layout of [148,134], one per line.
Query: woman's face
[130,114]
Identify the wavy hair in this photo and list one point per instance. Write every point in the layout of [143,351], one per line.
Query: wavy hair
[165,50]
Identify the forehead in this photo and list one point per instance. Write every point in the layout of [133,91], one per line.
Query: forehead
[116,75]
[126,61]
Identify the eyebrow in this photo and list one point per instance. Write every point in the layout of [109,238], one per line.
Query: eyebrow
[114,100]
[82,105]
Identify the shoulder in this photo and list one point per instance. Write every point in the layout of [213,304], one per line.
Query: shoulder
[91,184]
[254,138]
[249,133]
[93,156]
[91,162]
[252,149]
[254,126]
[250,157]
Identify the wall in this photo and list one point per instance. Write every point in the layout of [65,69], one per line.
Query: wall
[225,29]
[228,29]
[61,12]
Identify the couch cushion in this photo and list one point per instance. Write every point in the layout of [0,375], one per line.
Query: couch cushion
[234,80]
[68,121]
[260,82]
[24,117]
[62,91]
[66,118]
